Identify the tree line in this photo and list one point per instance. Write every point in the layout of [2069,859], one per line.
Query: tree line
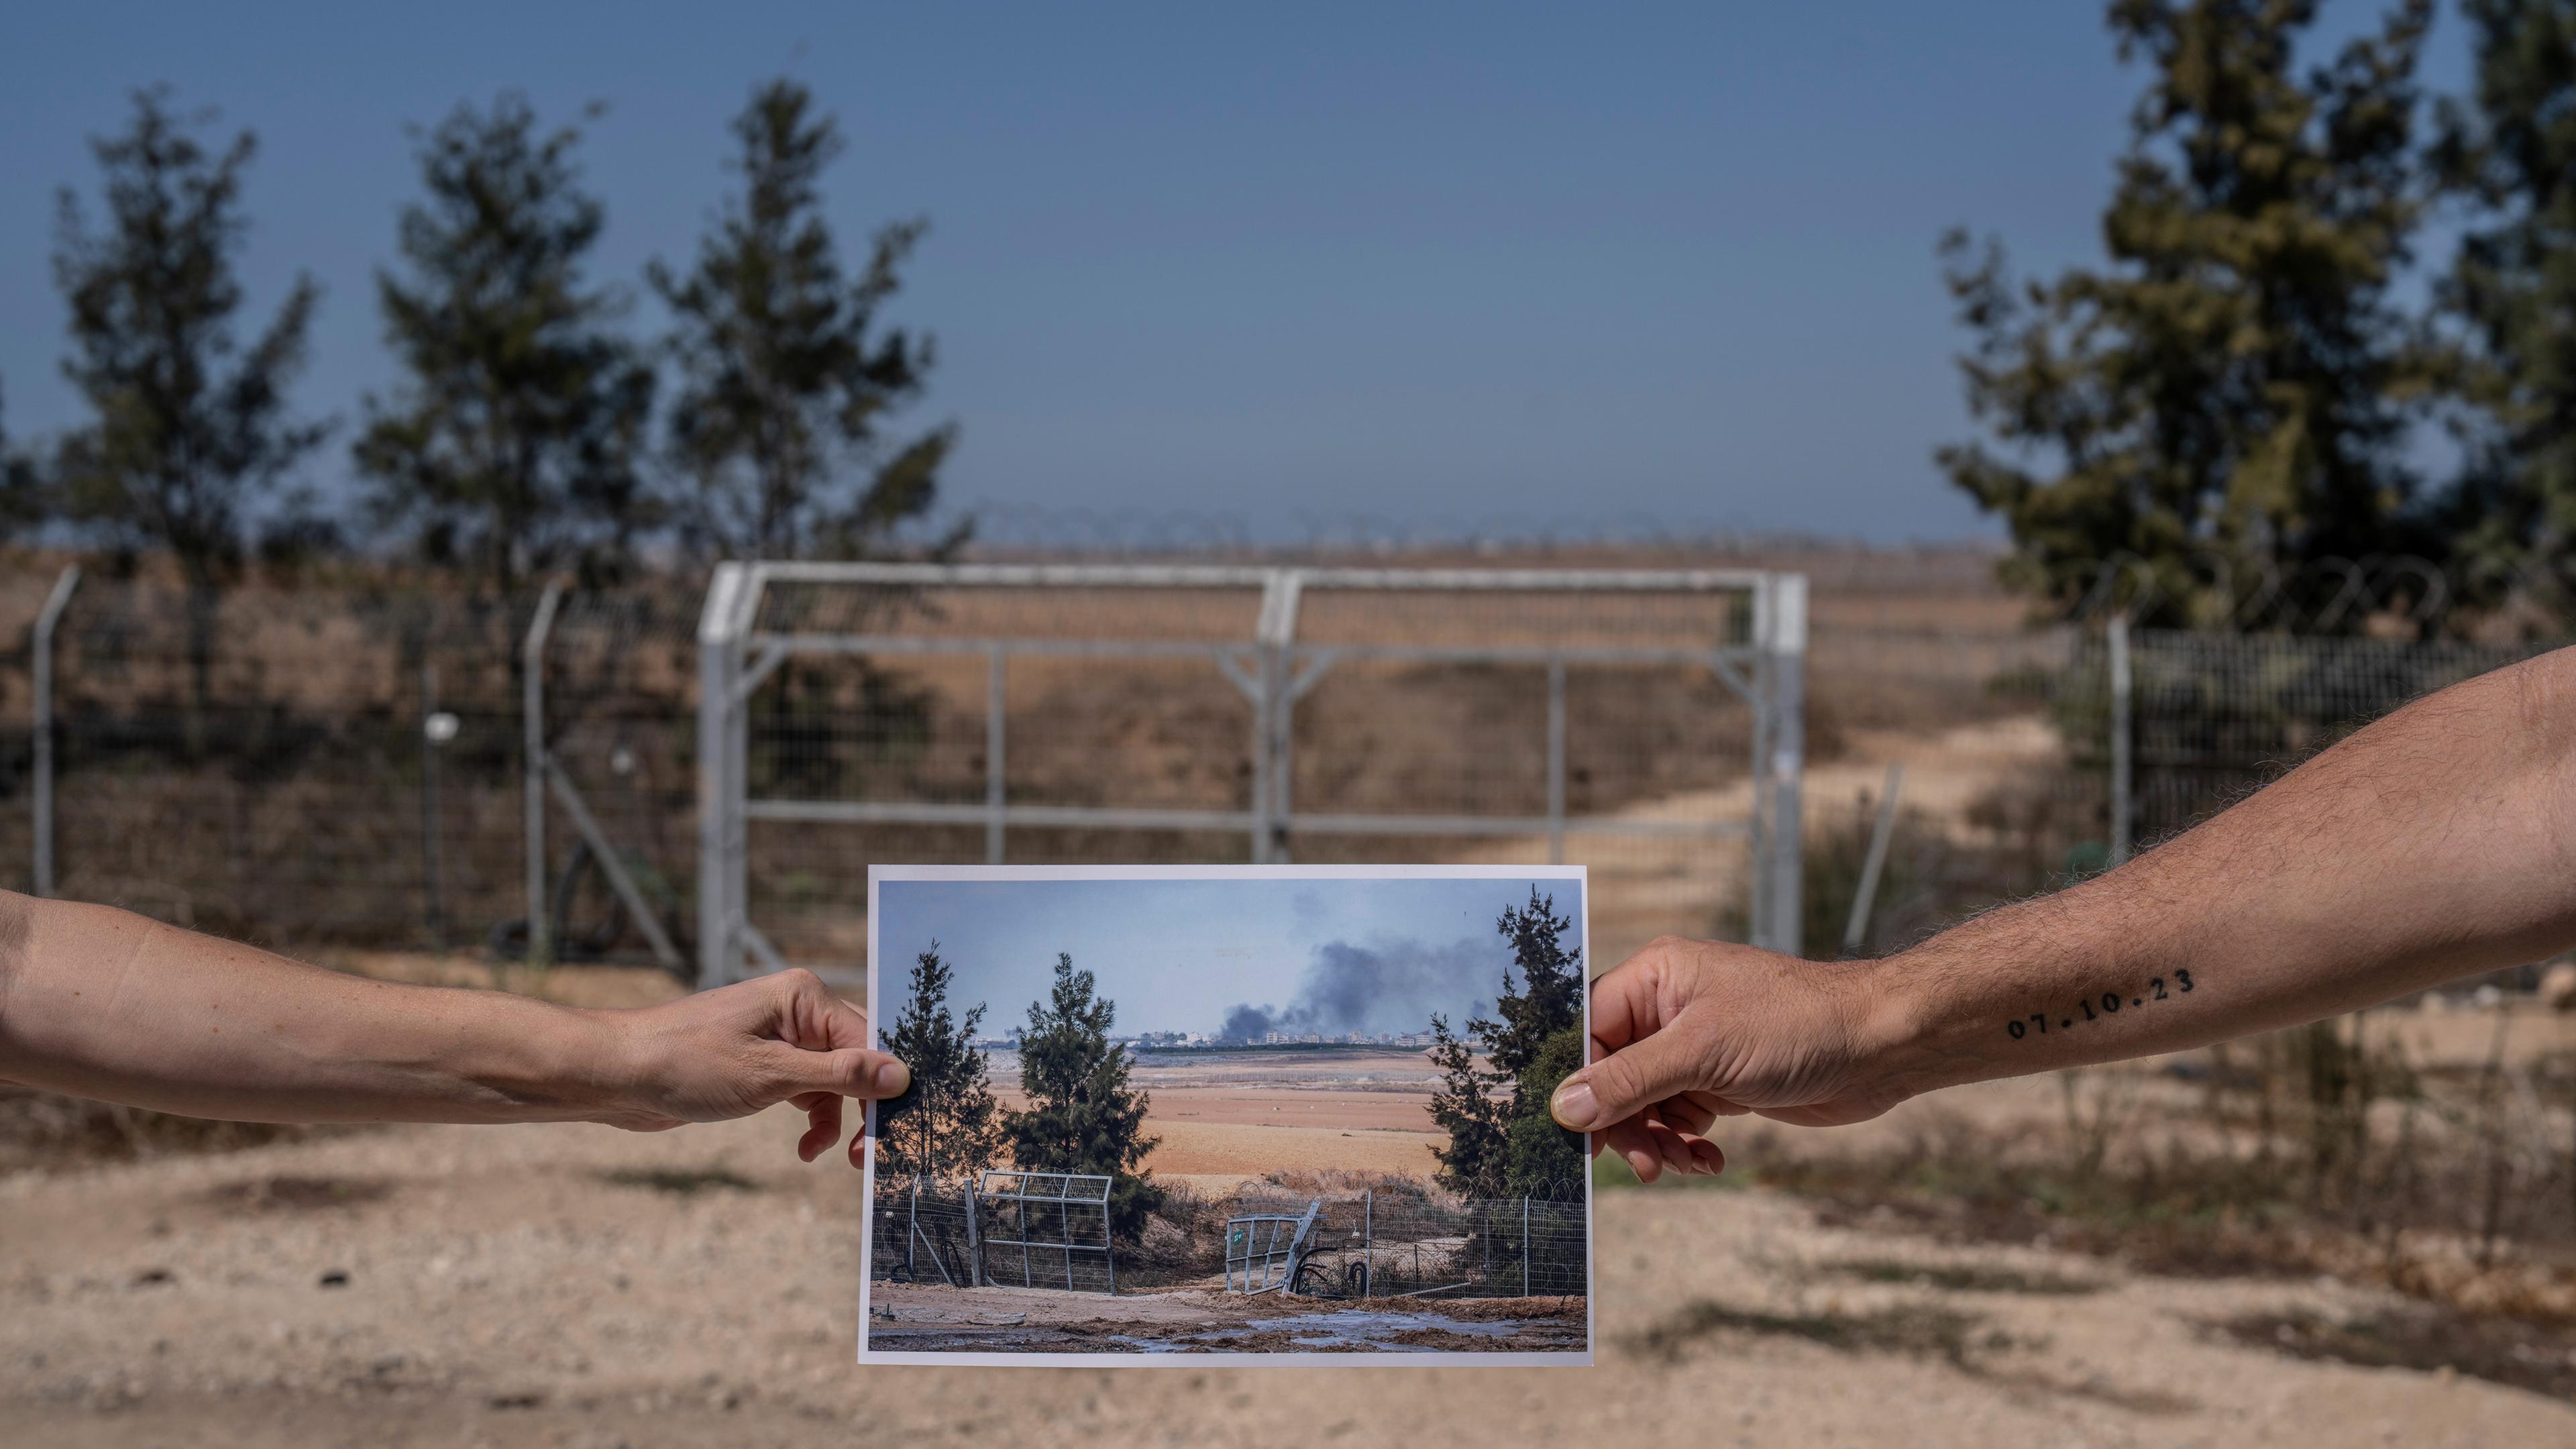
[1084,1117]
[2232,395]
[531,430]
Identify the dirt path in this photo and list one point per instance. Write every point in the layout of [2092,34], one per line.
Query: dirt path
[576,1286]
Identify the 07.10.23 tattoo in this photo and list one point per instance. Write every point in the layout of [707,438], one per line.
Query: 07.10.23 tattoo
[2095,1008]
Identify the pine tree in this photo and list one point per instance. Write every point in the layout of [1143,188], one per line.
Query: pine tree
[23,500]
[2511,152]
[786,384]
[191,434]
[947,1123]
[2221,399]
[513,445]
[1507,1146]
[1082,1115]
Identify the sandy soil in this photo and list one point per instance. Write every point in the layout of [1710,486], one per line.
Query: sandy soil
[448,1286]
[934,1318]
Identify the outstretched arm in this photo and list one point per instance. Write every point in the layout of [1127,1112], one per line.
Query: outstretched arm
[107,1004]
[2438,842]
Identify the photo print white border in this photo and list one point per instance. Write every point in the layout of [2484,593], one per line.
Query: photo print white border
[879,874]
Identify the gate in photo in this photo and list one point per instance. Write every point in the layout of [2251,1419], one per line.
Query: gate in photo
[1646,723]
[1031,1229]
[1263,1250]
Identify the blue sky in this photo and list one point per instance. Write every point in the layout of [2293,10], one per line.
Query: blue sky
[1488,266]
[1177,954]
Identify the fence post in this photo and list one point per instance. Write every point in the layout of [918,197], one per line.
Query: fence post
[974,1241]
[912,1230]
[42,664]
[1368,1244]
[994,741]
[1787,648]
[2121,763]
[719,823]
[1556,761]
[431,890]
[532,727]
[1525,1253]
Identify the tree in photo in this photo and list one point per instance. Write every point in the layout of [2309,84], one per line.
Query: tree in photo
[2511,153]
[947,1124]
[787,381]
[1502,1142]
[2221,400]
[190,435]
[513,444]
[1082,1115]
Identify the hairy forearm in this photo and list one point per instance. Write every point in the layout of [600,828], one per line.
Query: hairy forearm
[103,1003]
[2434,844]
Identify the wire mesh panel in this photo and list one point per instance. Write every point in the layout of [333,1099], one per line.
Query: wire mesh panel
[297,766]
[2216,716]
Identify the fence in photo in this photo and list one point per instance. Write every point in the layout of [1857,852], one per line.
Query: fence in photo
[1395,1241]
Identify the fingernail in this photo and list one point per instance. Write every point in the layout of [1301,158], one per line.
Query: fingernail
[892,1078]
[1574,1106]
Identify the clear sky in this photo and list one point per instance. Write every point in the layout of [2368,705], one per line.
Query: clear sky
[1333,955]
[1466,266]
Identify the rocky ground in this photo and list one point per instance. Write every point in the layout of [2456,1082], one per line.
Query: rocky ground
[576,1286]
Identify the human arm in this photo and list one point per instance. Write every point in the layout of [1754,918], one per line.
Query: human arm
[103,1003]
[2438,842]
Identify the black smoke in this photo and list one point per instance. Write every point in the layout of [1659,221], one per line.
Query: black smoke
[1388,986]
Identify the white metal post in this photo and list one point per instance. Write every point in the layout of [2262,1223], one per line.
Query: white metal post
[1788,658]
[1556,761]
[995,737]
[43,664]
[719,820]
[2122,765]
[532,767]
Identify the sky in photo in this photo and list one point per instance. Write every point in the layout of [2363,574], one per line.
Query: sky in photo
[1491,266]
[1325,956]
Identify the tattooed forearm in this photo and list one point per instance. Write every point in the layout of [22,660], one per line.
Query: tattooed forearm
[2101,1007]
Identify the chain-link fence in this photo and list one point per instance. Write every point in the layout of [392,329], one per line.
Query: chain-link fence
[1399,1239]
[272,762]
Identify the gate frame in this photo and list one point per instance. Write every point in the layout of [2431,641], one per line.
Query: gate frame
[1272,670]
[982,1190]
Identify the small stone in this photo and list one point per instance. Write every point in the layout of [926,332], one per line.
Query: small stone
[336,1278]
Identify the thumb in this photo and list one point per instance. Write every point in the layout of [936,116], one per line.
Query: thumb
[846,1072]
[1625,1083]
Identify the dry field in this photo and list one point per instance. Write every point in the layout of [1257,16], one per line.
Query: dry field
[1234,1117]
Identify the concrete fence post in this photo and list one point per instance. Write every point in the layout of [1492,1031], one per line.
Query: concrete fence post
[42,665]
[1525,1244]
[532,749]
[1786,767]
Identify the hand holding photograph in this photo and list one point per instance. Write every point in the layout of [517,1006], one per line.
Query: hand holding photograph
[1278,1114]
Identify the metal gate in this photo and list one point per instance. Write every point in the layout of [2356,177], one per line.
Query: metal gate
[1050,1219]
[1264,1250]
[1274,636]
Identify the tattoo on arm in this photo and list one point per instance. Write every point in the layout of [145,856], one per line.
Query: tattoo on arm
[2098,1008]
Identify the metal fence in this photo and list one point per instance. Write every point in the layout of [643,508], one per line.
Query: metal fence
[1648,723]
[268,763]
[1371,1244]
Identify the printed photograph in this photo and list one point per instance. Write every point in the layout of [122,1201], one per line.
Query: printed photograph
[1256,1111]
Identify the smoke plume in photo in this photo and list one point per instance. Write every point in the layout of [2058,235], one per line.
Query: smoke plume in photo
[1387,986]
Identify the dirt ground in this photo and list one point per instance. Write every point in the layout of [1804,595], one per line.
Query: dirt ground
[935,1318]
[572,1285]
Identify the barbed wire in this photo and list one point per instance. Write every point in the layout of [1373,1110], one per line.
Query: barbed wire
[2405,592]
